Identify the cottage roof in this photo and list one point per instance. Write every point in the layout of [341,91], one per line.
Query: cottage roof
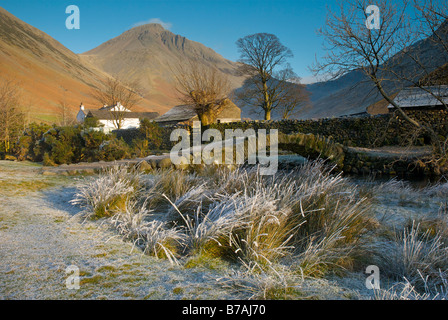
[178,113]
[109,115]
[186,112]
[414,97]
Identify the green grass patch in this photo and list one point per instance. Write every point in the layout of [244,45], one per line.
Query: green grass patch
[106,269]
[206,261]
[22,186]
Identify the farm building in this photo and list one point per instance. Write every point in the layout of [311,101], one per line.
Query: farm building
[186,114]
[116,116]
[425,98]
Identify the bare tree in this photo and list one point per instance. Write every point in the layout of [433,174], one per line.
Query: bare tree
[117,91]
[204,88]
[12,117]
[433,18]
[294,97]
[65,115]
[431,25]
[268,87]
[353,46]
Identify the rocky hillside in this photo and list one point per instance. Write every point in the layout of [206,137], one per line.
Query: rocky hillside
[46,71]
[148,54]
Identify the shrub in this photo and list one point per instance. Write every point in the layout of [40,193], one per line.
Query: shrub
[152,133]
[47,161]
[92,122]
[73,144]
[62,144]
[114,149]
[69,144]
[92,142]
[23,148]
[28,146]
[140,148]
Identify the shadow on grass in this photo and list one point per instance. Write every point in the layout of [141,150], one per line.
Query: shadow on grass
[58,198]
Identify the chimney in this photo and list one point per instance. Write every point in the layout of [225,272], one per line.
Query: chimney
[81,107]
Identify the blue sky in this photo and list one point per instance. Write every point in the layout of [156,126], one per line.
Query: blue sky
[215,23]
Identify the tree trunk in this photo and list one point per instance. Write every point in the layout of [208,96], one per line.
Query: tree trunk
[267,114]
[207,117]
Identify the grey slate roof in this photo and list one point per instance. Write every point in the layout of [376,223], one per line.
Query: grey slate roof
[186,113]
[178,113]
[107,115]
[414,97]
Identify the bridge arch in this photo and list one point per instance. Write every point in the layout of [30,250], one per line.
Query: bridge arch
[312,146]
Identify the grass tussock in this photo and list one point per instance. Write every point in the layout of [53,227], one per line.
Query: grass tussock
[108,193]
[414,255]
[308,216]
[301,224]
[410,246]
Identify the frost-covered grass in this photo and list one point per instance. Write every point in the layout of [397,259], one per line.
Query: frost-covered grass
[109,193]
[410,245]
[310,220]
[273,234]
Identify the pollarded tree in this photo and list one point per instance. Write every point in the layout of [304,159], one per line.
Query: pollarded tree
[203,87]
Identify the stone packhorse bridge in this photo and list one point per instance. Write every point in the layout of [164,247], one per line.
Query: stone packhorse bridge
[386,160]
[313,147]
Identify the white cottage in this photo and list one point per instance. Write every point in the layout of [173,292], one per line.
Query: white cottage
[110,116]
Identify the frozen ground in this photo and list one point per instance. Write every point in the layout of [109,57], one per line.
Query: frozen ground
[41,235]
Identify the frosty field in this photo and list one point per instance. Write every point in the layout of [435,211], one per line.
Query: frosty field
[41,234]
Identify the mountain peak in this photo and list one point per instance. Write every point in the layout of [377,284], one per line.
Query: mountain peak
[153,28]
[148,54]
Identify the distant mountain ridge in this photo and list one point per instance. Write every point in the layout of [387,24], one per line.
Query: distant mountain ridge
[46,71]
[50,73]
[149,54]
[354,92]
